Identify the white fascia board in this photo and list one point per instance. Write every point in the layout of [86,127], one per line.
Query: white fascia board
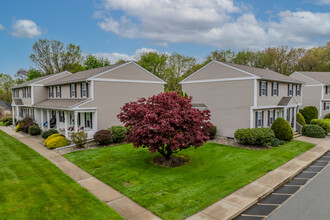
[84,109]
[306,77]
[316,85]
[218,80]
[126,81]
[274,106]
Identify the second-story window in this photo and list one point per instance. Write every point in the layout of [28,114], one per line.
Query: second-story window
[73,91]
[263,88]
[29,92]
[51,92]
[84,88]
[58,91]
[298,90]
[274,89]
[290,90]
[24,92]
[326,90]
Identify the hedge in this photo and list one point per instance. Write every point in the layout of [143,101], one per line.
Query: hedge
[34,130]
[46,134]
[57,142]
[254,136]
[301,119]
[118,133]
[323,123]
[327,116]
[309,113]
[51,137]
[102,137]
[314,131]
[282,129]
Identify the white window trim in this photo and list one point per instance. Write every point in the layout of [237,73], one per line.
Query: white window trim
[84,90]
[272,116]
[290,89]
[73,90]
[327,106]
[259,119]
[263,88]
[275,88]
[58,91]
[51,92]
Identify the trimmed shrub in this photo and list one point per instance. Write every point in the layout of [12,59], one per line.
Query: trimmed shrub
[17,128]
[34,130]
[314,131]
[79,138]
[57,142]
[25,124]
[323,123]
[327,116]
[301,119]
[51,137]
[282,129]
[309,113]
[254,136]
[7,121]
[276,142]
[118,133]
[211,131]
[103,137]
[46,134]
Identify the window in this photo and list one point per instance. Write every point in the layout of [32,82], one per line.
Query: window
[83,90]
[32,113]
[73,91]
[271,117]
[259,119]
[61,116]
[263,88]
[326,90]
[51,92]
[58,91]
[327,106]
[298,90]
[290,90]
[20,112]
[274,89]
[24,92]
[88,120]
[288,114]
[29,92]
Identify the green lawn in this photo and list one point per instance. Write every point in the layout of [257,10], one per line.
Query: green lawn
[31,187]
[213,172]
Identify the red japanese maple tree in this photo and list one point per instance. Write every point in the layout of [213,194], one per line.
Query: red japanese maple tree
[166,123]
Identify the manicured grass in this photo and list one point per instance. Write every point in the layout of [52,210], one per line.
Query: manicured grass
[31,187]
[213,172]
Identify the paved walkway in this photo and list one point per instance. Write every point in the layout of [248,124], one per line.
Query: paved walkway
[117,201]
[311,202]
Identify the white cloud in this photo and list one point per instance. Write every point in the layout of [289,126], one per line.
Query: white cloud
[219,23]
[25,29]
[2,27]
[324,2]
[114,57]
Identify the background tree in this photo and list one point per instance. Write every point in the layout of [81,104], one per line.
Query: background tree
[92,62]
[33,74]
[51,56]
[166,123]
[6,82]
[154,63]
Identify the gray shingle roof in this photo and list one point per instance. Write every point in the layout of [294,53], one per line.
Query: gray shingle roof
[265,73]
[5,105]
[284,101]
[59,103]
[83,75]
[322,77]
[18,101]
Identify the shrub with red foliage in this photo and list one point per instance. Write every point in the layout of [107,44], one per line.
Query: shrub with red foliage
[102,137]
[166,123]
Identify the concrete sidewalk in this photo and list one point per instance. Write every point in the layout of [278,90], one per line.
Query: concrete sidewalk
[117,201]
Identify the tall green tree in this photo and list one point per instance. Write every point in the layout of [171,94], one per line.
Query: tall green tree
[92,62]
[6,82]
[51,56]
[154,62]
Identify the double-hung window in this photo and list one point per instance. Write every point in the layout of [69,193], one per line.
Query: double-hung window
[83,89]
[51,92]
[274,88]
[263,88]
[58,91]
[298,90]
[259,119]
[271,117]
[327,106]
[61,116]
[29,92]
[24,92]
[88,120]
[290,90]
[73,93]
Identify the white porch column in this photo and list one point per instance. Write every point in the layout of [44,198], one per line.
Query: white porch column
[294,118]
[75,122]
[17,112]
[66,120]
[42,119]
[285,113]
[57,114]
[48,120]
[13,114]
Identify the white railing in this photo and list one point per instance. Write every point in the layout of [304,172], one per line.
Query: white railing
[299,127]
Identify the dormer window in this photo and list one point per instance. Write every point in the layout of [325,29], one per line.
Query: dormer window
[274,88]
[298,90]
[51,92]
[290,90]
[263,88]
[84,90]
[73,91]
[58,91]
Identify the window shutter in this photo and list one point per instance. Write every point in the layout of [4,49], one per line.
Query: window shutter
[79,119]
[87,90]
[259,88]
[75,90]
[278,89]
[262,119]
[85,119]
[256,119]
[272,88]
[268,117]
[266,88]
[326,90]
[288,89]
[60,91]
[81,89]
[91,118]
[70,90]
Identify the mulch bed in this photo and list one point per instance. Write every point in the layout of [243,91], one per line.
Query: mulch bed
[234,143]
[174,161]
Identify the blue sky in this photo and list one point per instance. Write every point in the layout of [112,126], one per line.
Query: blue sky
[125,28]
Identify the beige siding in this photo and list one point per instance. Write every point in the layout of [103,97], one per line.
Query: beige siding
[109,97]
[303,78]
[129,72]
[228,101]
[40,93]
[26,101]
[66,88]
[311,96]
[270,100]
[326,96]
[217,71]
